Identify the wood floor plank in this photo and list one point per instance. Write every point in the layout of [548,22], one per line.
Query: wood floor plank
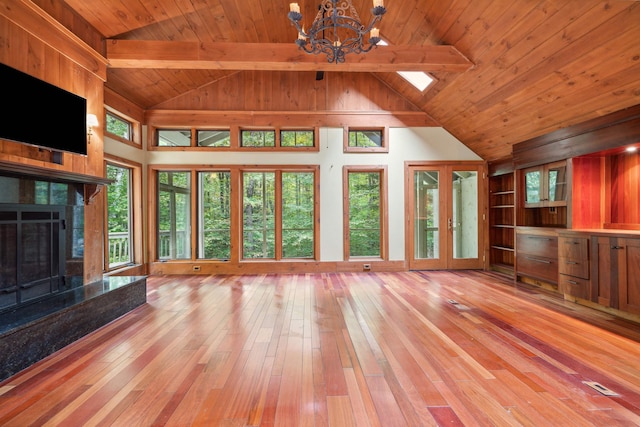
[361,349]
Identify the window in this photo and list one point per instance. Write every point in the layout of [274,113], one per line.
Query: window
[365,199]
[174,215]
[257,138]
[258,209]
[365,140]
[298,214]
[214,216]
[278,214]
[174,138]
[119,226]
[297,138]
[118,126]
[214,138]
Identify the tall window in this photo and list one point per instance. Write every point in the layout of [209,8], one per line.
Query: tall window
[298,214]
[258,214]
[214,215]
[174,215]
[278,214]
[119,226]
[365,197]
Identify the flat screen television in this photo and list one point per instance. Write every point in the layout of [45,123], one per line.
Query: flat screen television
[38,113]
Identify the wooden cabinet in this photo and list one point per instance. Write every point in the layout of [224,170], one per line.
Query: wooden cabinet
[616,272]
[546,185]
[502,222]
[537,254]
[573,265]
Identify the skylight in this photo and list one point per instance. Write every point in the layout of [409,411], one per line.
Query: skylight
[419,79]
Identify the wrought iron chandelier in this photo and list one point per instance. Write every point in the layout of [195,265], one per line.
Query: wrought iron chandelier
[337,29]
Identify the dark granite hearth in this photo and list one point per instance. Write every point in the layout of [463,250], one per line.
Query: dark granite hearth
[34,331]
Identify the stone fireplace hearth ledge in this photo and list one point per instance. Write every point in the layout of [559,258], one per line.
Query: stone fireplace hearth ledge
[33,332]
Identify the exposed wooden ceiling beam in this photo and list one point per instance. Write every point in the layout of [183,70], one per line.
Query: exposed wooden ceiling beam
[277,56]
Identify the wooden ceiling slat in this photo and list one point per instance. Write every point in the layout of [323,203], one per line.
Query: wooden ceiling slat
[537,65]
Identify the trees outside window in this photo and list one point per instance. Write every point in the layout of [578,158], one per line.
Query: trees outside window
[258,215]
[365,197]
[214,215]
[119,226]
[298,214]
[278,211]
[174,215]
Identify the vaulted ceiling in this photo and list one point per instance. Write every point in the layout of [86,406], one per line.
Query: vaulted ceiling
[505,71]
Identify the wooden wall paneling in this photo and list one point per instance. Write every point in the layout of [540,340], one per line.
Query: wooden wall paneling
[587,197]
[625,190]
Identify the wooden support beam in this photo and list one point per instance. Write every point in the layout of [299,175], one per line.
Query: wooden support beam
[278,56]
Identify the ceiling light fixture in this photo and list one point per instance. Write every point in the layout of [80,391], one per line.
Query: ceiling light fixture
[337,29]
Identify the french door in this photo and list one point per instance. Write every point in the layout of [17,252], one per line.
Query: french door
[444,229]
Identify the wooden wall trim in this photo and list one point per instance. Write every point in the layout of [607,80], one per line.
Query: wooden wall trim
[184,118]
[42,26]
[604,133]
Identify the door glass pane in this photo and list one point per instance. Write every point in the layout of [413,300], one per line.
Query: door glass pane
[465,214]
[427,206]
[297,214]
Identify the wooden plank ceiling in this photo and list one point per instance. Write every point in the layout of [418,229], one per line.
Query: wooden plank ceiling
[534,65]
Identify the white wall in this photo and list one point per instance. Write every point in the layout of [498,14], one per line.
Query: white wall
[416,144]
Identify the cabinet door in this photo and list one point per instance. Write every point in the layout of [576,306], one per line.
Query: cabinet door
[533,179]
[629,279]
[605,272]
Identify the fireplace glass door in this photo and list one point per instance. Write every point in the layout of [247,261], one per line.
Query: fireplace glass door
[31,252]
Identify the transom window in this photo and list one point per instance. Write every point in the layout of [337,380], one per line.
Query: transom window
[257,138]
[365,140]
[118,126]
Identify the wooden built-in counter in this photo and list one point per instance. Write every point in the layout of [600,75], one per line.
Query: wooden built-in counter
[601,267]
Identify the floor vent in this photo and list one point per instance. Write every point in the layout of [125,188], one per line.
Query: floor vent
[600,388]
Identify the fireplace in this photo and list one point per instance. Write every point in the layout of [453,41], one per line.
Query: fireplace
[41,239]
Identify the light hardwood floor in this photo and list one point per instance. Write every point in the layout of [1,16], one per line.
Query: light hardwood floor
[367,349]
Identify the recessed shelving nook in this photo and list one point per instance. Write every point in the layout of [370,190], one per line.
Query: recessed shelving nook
[502,217]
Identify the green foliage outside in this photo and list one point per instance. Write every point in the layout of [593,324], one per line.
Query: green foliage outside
[215,190]
[117,126]
[296,138]
[174,215]
[297,214]
[258,138]
[258,208]
[364,214]
[361,138]
[118,214]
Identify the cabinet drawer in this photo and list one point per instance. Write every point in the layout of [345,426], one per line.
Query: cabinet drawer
[574,286]
[537,267]
[574,267]
[531,244]
[576,248]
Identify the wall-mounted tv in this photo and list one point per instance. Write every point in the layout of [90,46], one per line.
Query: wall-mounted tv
[41,114]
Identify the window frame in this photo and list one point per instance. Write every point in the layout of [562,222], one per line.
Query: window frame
[134,128]
[383,148]
[135,215]
[235,135]
[278,250]
[384,230]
